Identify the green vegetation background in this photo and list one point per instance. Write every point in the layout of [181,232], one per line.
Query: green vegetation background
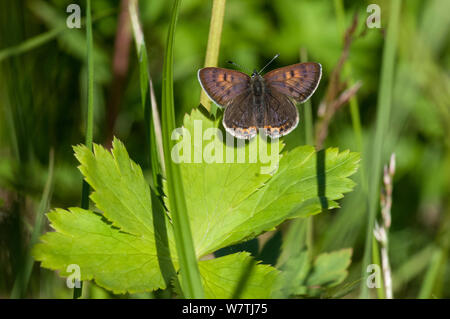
[43,105]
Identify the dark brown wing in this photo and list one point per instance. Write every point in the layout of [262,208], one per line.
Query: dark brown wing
[223,85]
[280,114]
[298,81]
[239,118]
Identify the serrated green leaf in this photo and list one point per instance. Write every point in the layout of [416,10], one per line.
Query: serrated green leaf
[330,269]
[293,276]
[301,277]
[122,240]
[221,277]
[118,261]
[121,192]
[230,202]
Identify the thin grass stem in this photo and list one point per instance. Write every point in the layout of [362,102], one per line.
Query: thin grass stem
[432,274]
[77,292]
[354,105]
[43,38]
[190,275]
[382,121]
[153,123]
[21,282]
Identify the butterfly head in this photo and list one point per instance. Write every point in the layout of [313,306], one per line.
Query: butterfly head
[255,73]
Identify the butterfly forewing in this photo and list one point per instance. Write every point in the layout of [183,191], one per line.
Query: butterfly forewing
[223,85]
[298,81]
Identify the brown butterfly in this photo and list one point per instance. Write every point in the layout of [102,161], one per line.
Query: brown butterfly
[261,102]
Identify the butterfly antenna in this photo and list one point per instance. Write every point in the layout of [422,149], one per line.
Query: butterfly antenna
[276,56]
[237,65]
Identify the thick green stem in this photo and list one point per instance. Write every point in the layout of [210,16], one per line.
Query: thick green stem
[215,34]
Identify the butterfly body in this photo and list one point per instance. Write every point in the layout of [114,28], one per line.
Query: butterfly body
[257,88]
[260,102]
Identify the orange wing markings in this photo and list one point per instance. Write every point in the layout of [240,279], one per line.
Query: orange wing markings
[223,85]
[299,70]
[298,81]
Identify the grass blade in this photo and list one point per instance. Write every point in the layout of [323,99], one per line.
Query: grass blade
[190,275]
[354,105]
[43,38]
[382,122]
[309,139]
[156,153]
[90,114]
[376,260]
[432,274]
[148,100]
[90,67]
[21,282]
[30,44]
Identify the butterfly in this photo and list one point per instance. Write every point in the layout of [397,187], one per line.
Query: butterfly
[260,102]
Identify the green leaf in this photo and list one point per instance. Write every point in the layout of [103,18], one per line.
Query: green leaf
[222,277]
[118,261]
[293,275]
[229,202]
[117,249]
[121,192]
[330,269]
[300,277]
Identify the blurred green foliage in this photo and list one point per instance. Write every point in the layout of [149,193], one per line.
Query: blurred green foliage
[43,104]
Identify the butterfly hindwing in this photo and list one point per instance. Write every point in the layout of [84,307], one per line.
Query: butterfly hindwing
[298,81]
[223,85]
[281,115]
[239,118]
